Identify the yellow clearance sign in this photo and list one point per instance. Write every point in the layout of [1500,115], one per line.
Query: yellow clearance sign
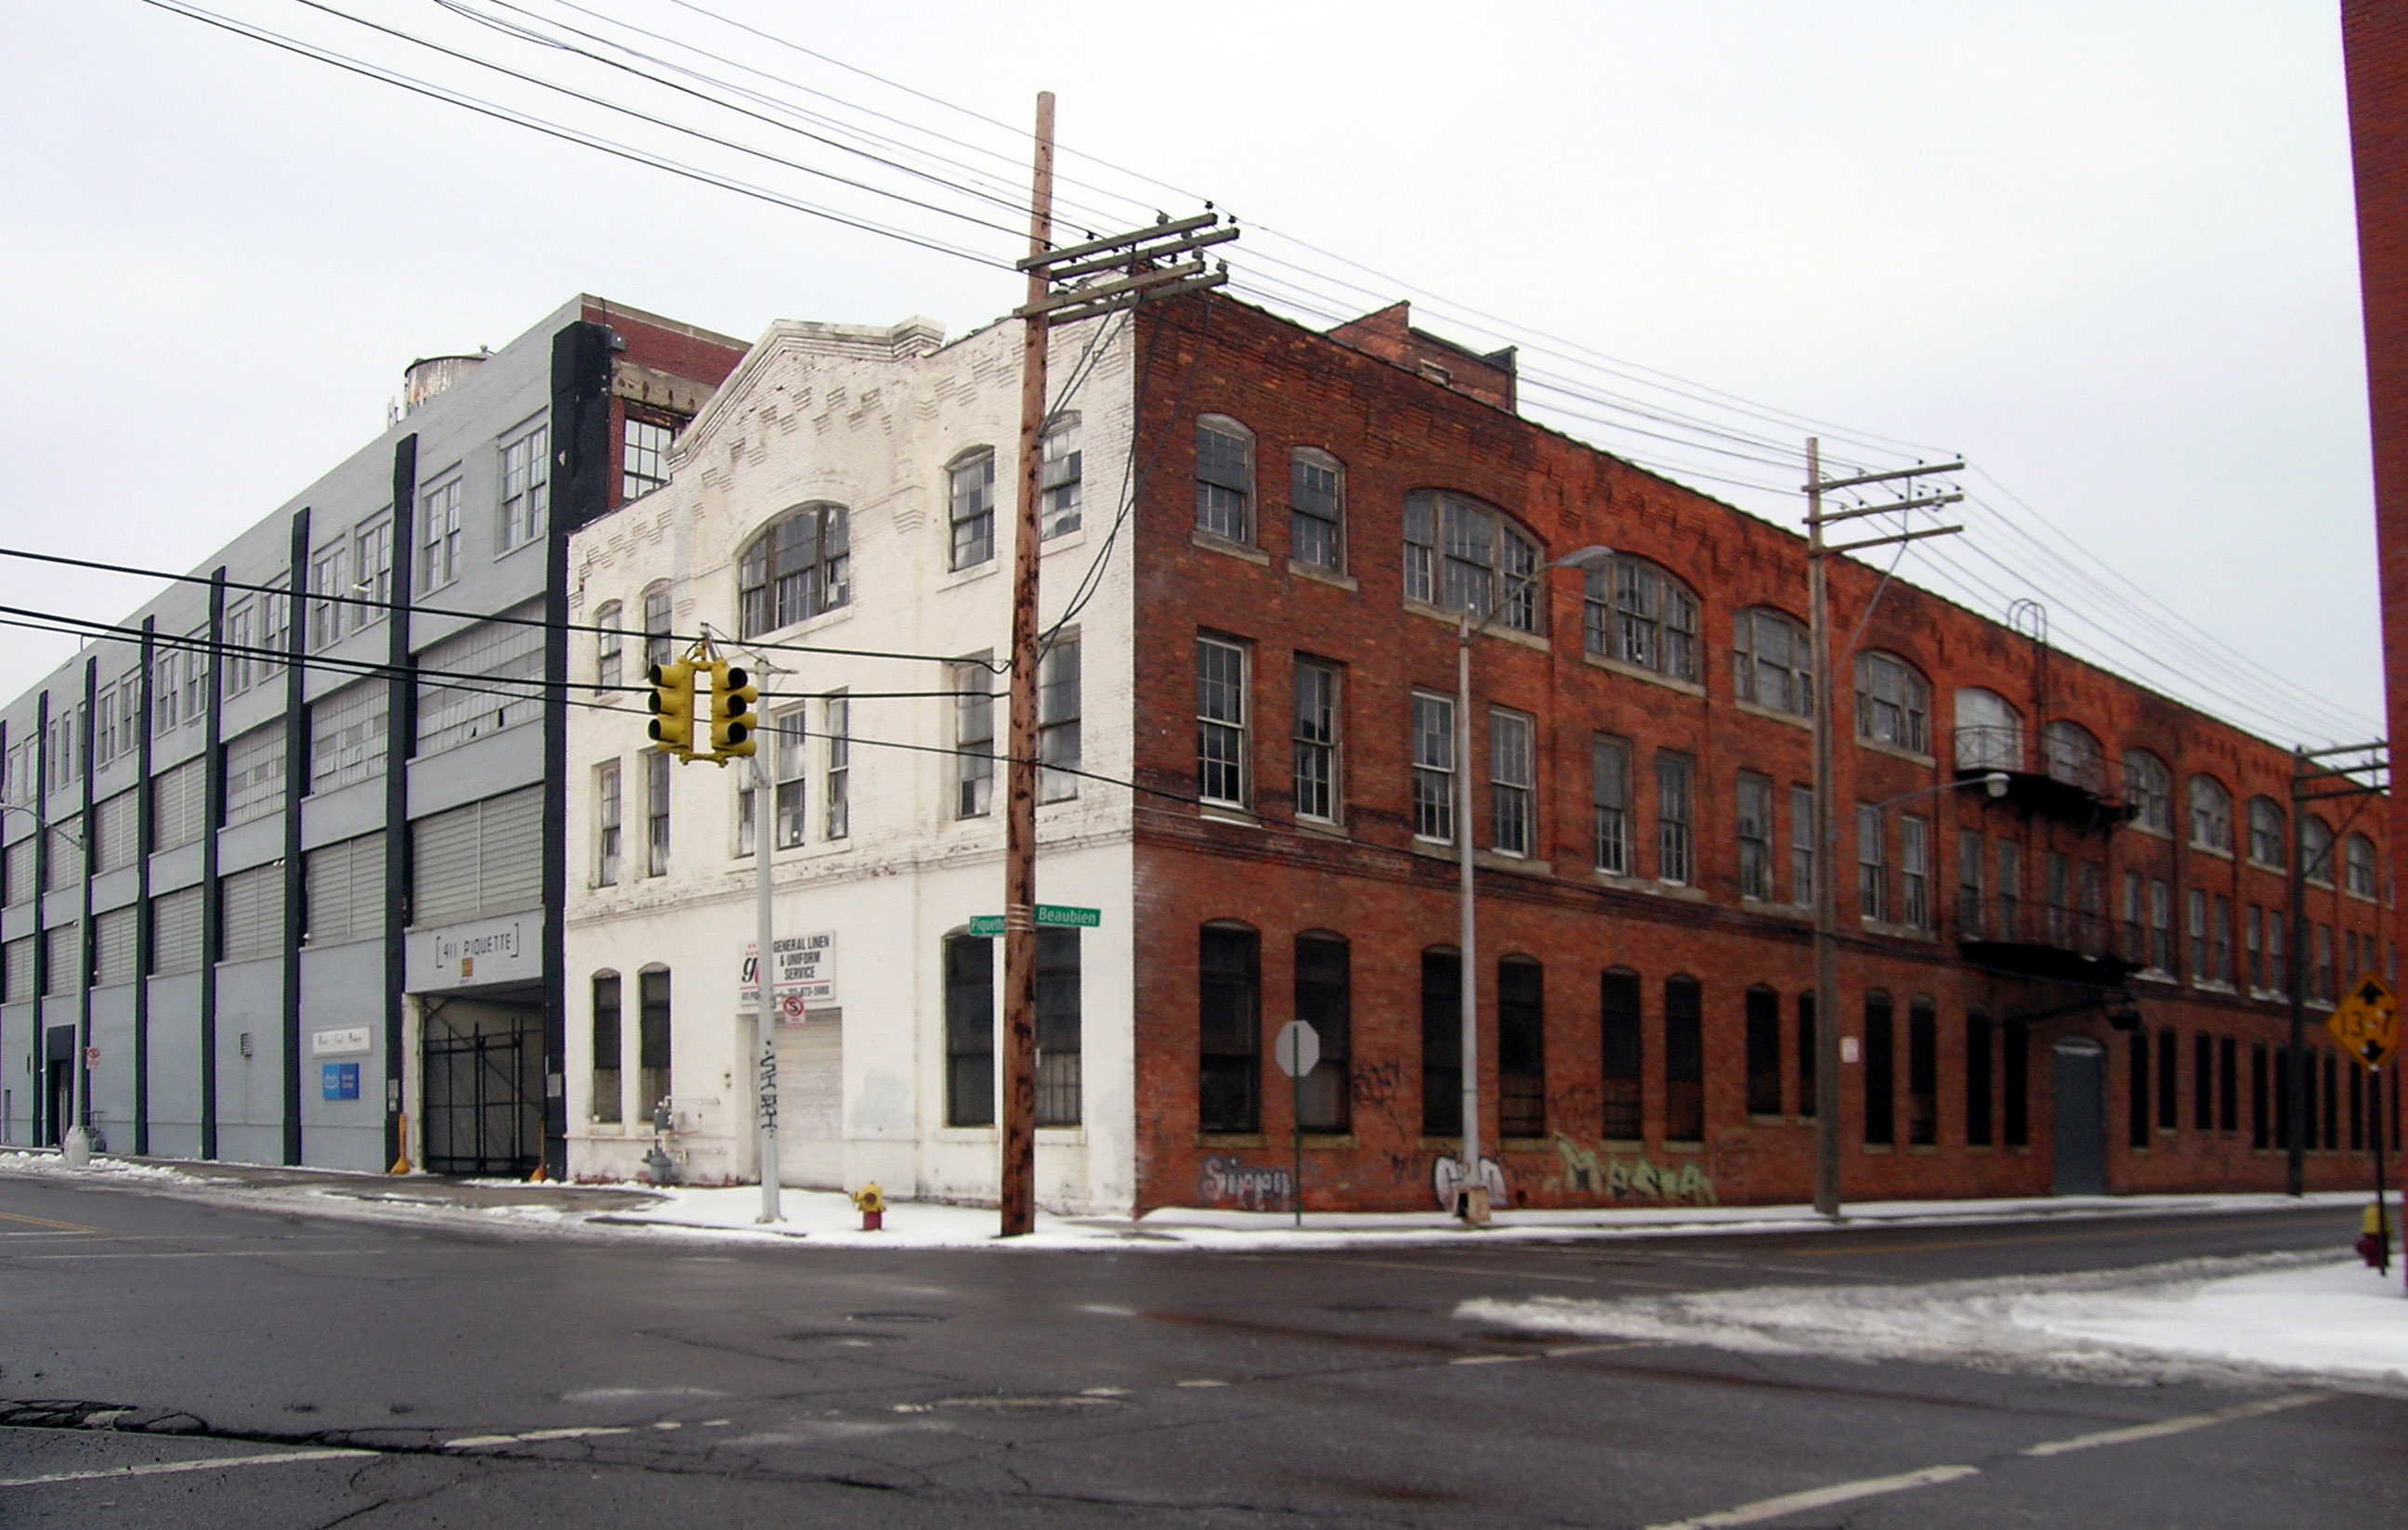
[2367,1022]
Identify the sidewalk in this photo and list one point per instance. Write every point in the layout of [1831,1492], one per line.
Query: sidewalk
[827,1218]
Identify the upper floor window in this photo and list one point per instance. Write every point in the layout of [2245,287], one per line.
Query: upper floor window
[526,484]
[2149,790]
[1058,706]
[2211,815]
[798,567]
[1221,721]
[1638,614]
[1770,662]
[644,464]
[2071,755]
[1989,734]
[1224,479]
[2359,865]
[1893,703]
[372,555]
[2266,832]
[657,639]
[973,739]
[2316,850]
[972,482]
[1065,466]
[438,543]
[1463,556]
[330,581]
[1317,508]
[608,644]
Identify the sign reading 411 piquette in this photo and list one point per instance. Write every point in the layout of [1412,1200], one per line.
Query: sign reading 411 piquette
[805,975]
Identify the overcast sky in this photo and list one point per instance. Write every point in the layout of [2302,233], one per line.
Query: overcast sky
[2105,251]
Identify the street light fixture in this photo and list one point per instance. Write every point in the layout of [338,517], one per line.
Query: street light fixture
[1471,1193]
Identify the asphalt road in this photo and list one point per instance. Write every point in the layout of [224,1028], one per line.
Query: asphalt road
[469,1380]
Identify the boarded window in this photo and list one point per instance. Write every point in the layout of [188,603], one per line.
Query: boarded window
[347,735]
[176,932]
[481,682]
[346,888]
[112,935]
[484,858]
[254,765]
[177,798]
[250,914]
[1881,1083]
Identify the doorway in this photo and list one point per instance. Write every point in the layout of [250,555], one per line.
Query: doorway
[58,1084]
[483,1097]
[2081,1117]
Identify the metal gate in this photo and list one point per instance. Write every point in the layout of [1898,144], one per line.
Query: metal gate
[483,1098]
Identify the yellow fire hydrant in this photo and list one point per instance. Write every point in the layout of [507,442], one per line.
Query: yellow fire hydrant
[871,1203]
[2375,1238]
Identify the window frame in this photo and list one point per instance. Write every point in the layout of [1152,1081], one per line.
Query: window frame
[2269,834]
[2209,820]
[1634,612]
[973,738]
[1436,570]
[440,507]
[1233,489]
[1609,791]
[1317,740]
[523,487]
[969,509]
[1676,809]
[770,597]
[637,446]
[1749,664]
[1223,743]
[1513,783]
[1060,706]
[1754,802]
[609,807]
[1061,474]
[1303,461]
[1907,714]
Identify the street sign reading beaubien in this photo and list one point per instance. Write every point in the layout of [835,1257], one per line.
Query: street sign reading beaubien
[1053,916]
[2367,1022]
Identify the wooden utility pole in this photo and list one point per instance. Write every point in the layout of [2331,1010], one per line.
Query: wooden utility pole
[1019,1134]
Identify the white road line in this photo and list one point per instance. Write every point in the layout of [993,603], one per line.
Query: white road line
[160,1468]
[1797,1503]
[1491,1359]
[470,1442]
[2176,1427]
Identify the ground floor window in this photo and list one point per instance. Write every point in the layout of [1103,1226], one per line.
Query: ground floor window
[1922,1073]
[969,1031]
[1763,1051]
[1521,1048]
[1618,1005]
[1808,1058]
[1441,1043]
[2015,1104]
[1325,1001]
[1057,1027]
[652,1037]
[1685,1061]
[1881,1083]
[1229,990]
[606,1047]
[1977,1079]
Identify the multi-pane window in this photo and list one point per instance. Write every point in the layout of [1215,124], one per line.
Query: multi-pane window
[607,812]
[1316,740]
[275,631]
[104,729]
[330,582]
[1521,1048]
[798,569]
[1636,614]
[1224,479]
[1057,1028]
[239,654]
[2219,939]
[526,479]
[657,640]
[1509,782]
[788,746]
[1324,1000]
[1433,766]
[1972,916]
[196,693]
[2316,850]
[969,1031]
[1221,721]
[2266,832]
[1872,872]
[1463,556]
[1989,734]
[1618,1012]
[1317,509]
[2323,988]
[1685,1061]
[2358,866]
[1915,871]
[2202,967]
[1674,814]
[1770,662]
[2135,916]
[438,538]
[1754,835]
[1058,721]
[837,796]
[254,775]
[972,482]
[644,463]
[2254,945]
[1228,1013]
[482,680]
[2211,816]
[657,815]
[655,1037]
[2161,926]
[609,649]
[1063,466]
[607,1048]
[1609,791]
[372,555]
[973,740]
[348,738]
[1893,704]
[2148,790]
[1801,845]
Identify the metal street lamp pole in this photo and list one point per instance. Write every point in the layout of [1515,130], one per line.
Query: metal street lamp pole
[1472,1194]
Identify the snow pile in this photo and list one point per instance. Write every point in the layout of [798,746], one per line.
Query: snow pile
[2294,1313]
[827,1217]
[32,1162]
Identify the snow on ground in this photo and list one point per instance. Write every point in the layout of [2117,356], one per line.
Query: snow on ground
[2291,1313]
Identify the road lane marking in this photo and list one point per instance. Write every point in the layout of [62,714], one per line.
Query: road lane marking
[470,1442]
[1461,1273]
[206,1253]
[2176,1427]
[45,1222]
[158,1468]
[1203,1381]
[1841,1493]
[1491,1359]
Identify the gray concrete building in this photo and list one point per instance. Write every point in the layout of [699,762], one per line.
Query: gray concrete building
[283,849]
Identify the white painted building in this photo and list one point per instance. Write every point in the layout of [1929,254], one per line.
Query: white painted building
[851,488]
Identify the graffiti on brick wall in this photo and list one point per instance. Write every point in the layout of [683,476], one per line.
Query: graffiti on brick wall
[1635,1177]
[1227,1180]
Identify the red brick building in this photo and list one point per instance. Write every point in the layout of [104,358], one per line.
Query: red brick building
[2075,985]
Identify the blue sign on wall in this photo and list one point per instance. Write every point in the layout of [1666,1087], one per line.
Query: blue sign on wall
[339,1081]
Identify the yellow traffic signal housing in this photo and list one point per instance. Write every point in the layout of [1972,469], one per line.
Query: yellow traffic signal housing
[734,719]
[672,725]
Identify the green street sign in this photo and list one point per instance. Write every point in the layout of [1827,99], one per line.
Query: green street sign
[1054,916]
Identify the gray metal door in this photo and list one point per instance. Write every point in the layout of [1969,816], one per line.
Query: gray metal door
[2081,1112]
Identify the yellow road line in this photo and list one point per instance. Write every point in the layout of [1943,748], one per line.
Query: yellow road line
[44,1221]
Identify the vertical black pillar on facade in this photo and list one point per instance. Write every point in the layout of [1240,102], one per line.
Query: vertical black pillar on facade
[7,1125]
[400,740]
[213,804]
[143,829]
[580,487]
[41,1037]
[297,781]
[84,953]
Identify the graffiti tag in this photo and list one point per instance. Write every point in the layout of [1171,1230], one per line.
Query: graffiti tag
[1622,1178]
[1232,1180]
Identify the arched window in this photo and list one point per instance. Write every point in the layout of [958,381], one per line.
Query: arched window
[1229,1007]
[2211,815]
[2266,834]
[657,640]
[970,482]
[1685,1061]
[1462,555]
[1325,1001]
[1521,1047]
[970,1030]
[654,1083]
[1763,1051]
[2316,850]
[606,1106]
[2070,753]
[1770,662]
[1635,613]
[2149,791]
[1441,1042]
[608,644]
[800,566]
[1224,479]
[1893,703]
[2360,867]
[1989,734]
[1880,1073]
[1317,508]
[1618,1015]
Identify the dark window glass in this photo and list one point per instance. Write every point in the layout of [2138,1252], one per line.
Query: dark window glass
[2333,1105]
[1325,1001]
[1922,1073]
[2202,1082]
[1229,995]
[605,1047]
[1685,1061]
[1881,1082]
[1441,1044]
[1619,1008]
[969,1031]
[1809,1057]
[1057,1027]
[2168,1081]
[2136,1101]
[2357,1109]
[1763,1051]
[1977,1079]
[2017,1082]
[1521,1048]
[653,1038]
[2227,1101]
[2261,1119]
[797,569]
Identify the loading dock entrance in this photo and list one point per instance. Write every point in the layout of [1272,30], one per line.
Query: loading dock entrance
[482,1095]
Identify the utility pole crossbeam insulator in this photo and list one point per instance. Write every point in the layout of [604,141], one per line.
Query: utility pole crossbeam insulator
[1817,484]
[1125,260]
[1042,262]
[1893,540]
[1927,502]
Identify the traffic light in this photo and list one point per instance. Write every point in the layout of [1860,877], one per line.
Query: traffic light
[672,725]
[733,718]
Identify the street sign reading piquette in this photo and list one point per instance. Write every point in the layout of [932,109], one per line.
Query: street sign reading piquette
[1053,916]
[2367,1022]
